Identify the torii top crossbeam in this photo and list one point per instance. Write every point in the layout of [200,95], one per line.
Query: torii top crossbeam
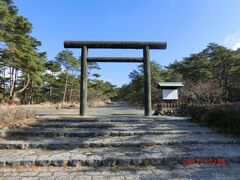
[115,44]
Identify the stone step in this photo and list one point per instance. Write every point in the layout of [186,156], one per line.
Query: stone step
[97,132]
[106,125]
[155,156]
[229,172]
[120,128]
[123,120]
[125,141]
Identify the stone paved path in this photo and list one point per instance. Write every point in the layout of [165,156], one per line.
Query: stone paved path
[117,142]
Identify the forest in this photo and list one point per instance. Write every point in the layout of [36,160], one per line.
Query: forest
[211,76]
[27,76]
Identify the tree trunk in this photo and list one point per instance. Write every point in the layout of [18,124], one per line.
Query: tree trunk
[16,78]
[4,85]
[50,94]
[10,79]
[12,84]
[32,100]
[21,90]
[65,90]
[70,97]
[30,93]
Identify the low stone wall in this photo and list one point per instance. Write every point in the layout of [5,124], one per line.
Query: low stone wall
[226,116]
[171,112]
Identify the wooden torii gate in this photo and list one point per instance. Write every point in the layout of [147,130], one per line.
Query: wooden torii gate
[146,46]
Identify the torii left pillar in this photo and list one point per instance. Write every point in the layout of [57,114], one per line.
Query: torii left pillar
[84,76]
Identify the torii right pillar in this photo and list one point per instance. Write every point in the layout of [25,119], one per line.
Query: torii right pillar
[147,82]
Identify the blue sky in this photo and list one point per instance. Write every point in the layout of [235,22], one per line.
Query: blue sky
[187,26]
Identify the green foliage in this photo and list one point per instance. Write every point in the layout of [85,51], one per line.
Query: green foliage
[93,66]
[156,72]
[215,65]
[99,89]
[18,50]
[226,117]
[55,81]
[53,66]
[134,91]
[67,60]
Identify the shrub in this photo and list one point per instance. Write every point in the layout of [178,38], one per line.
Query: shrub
[226,116]
[15,113]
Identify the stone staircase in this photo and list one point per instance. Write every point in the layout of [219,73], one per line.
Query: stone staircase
[115,141]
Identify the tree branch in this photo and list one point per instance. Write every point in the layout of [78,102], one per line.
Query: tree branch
[28,81]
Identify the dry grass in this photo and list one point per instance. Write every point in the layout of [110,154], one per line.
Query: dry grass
[10,115]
